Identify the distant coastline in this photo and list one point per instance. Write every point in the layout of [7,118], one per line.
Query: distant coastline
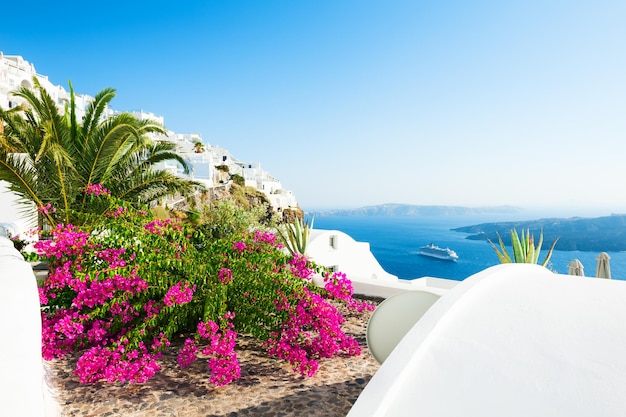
[597,234]
[395,209]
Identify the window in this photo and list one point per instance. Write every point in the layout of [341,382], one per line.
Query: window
[332,241]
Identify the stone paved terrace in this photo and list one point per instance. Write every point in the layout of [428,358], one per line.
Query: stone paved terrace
[267,387]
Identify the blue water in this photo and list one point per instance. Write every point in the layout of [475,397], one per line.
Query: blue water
[395,241]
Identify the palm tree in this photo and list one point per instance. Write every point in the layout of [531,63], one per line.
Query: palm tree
[49,157]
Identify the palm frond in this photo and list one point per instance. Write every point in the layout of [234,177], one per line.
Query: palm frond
[95,110]
[60,155]
[148,186]
[22,178]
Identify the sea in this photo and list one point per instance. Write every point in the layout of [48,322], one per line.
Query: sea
[395,241]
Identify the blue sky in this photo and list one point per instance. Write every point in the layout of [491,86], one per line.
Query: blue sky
[355,102]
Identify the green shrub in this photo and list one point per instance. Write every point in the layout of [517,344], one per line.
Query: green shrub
[122,286]
[238,179]
[224,218]
[160,212]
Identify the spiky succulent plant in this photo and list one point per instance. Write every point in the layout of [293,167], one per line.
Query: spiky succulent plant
[524,249]
[295,235]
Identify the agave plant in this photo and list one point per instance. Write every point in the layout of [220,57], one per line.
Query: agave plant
[524,249]
[295,235]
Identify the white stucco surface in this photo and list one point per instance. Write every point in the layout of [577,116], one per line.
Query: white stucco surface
[13,214]
[336,248]
[512,340]
[333,248]
[23,390]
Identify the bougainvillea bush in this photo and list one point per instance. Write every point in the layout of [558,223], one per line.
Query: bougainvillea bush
[119,289]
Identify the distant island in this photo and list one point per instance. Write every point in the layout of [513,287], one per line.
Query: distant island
[393,209]
[598,234]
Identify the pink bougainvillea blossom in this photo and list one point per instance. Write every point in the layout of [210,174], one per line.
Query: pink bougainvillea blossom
[46,209]
[299,346]
[158,227]
[96,189]
[188,354]
[180,293]
[300,266]
[117,365]
[265,237]
[117,212]
[239,246]
[66,241]
[225,275]
[222,363]
[116,298]
[340,287]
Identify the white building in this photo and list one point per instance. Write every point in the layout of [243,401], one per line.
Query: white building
[254,176]
[15,71]
[340,252]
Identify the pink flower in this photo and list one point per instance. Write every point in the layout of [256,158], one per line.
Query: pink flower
[113,364]
[179,294]
[300,267]
[264,237]
[158,227]
[159,342]
[188,354]
[46,209]
[117,212]
[43,299]
[340,288]
[66,241]
[239,246]
[312,330]
[96,189]
[222,362]
[151,308]
[225,275]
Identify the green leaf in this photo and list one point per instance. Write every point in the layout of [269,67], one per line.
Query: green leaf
[524,248]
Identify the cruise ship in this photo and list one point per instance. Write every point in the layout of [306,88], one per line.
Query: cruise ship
[439,253]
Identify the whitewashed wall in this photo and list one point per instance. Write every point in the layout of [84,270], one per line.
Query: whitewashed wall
[11,212]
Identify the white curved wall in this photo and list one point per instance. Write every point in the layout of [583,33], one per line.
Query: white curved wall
[23,391]
[12,212]
[512,340]
[333,248]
